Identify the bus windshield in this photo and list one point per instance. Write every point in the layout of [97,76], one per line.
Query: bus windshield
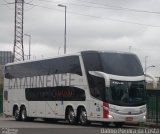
[121,64]
[127,93]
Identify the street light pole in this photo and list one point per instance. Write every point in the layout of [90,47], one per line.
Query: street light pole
[29,56]
[60,5]
[130,47]
[146,64]
[65,30]
[59,49]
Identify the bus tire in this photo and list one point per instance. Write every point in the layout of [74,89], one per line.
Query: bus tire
[23,114]
[83,117]
[16,114]
[71,116]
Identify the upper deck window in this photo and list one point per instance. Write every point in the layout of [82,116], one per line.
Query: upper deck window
[121,64]
[68,64]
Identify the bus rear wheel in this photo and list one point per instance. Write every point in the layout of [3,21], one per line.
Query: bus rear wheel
[16,114]
[23,114]
[71,116]
[83,117]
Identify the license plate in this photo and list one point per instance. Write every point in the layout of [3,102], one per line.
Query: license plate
[129,119]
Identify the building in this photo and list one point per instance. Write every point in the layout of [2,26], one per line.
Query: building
[5,57]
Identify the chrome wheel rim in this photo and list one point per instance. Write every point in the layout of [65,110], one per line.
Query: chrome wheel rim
[83,117]
[24,114]
[16,114]
[71,116]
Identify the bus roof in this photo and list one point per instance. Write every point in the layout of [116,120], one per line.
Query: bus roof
[72,54]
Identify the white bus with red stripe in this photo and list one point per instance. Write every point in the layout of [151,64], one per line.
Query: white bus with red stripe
[85,87]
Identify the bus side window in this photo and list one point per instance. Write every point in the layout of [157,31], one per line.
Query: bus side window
[97,86]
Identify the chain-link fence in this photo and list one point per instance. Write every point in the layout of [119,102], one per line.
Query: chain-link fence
[153,106]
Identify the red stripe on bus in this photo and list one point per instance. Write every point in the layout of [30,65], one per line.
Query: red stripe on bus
[105,110]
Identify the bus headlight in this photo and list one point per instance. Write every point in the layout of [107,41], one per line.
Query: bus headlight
[144,117]
[110,116]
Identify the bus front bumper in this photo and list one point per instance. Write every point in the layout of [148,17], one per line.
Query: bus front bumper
[114,117]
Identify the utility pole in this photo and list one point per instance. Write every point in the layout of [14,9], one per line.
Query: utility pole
[145,64]
[130,47]
[65,26]
[18,50]
[29,36]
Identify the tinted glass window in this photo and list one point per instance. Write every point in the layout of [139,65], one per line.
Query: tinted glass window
[121,64]
[128,93]
[69,64]
[92,61]
[59,93]
[97,87]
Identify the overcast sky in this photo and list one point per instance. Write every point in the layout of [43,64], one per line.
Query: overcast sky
[91,25]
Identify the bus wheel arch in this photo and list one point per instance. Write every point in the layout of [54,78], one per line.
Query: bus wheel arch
[70,115]
[82,115]
[16,112]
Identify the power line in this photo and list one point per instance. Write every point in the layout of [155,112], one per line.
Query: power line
[119,7]
[31,4]
[83,5]
[7,4]
[106,6]
[92,16]
[26,10]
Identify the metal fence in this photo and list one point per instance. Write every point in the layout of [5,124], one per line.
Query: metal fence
[153,106]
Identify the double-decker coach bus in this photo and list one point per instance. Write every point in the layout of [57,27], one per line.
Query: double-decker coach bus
[84,87]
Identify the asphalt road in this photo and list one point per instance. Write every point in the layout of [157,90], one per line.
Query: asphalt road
[10,126]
